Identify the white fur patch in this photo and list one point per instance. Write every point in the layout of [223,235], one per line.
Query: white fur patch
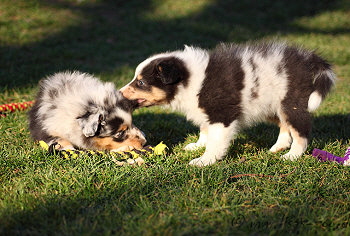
[269,85]
[186,101]
[315,100]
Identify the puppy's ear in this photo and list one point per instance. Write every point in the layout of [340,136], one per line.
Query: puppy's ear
[171,70]
[89,123]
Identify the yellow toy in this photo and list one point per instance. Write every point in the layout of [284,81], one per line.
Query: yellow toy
[120,158]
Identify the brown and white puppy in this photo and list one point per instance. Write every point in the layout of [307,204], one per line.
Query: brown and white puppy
[234,86]
[77,110]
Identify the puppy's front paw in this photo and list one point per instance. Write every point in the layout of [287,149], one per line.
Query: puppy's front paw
[202,161]
[192,146]
[277,148]
[290,156]
[60,145]
[123,149]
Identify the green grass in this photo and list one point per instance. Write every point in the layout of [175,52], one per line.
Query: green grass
[46,195]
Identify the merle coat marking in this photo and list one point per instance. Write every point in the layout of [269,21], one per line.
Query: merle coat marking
[234,86]
[76,110]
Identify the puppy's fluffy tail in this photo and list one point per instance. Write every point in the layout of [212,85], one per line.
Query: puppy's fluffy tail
[323,82]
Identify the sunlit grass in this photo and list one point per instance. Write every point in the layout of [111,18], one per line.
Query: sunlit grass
[161,10]
[26,22]
[331,21]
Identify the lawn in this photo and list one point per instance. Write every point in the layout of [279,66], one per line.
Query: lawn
[43,194]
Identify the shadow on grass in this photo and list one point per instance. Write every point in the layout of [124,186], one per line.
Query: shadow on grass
[326,129]
[170,128]
[173,129]
[117,34]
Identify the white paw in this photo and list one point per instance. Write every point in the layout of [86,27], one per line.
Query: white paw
[192,146]
[274,149]
[202,161]
[291,156]
[279,147]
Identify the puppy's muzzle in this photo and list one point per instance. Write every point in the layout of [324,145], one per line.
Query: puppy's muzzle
[137,134]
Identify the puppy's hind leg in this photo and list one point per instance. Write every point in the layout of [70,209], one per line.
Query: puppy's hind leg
[202,140]
[300,128]
[219,139]
[284,139]
[298,147]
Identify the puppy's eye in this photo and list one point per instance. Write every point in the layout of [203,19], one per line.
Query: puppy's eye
[120,134]
[101,120]
[141,83]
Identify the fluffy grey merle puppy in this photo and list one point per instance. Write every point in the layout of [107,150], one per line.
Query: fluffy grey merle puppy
[76,110]
[235,86]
